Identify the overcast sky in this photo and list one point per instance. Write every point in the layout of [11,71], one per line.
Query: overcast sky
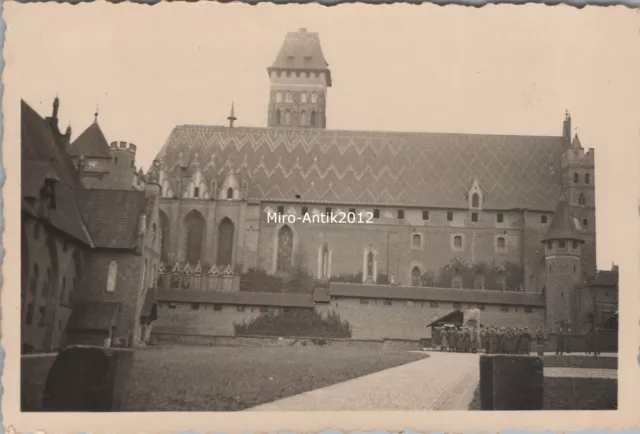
[511,70]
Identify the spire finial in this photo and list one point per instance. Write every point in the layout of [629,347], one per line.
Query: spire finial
[232,116]
[567,115]
[95,121]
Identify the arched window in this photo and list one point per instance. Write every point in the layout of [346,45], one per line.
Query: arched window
[289,97]
[314,119]
[285,249]
[196,192]
[303,117]
[500,243]
[287,117]
[581,199]
[278,121]
[475,200]
[457,242]
[112,276]
[164,237]
[278,97]
[314,97]
[303,97]
[194,227]
[225,242]
[587,178]
[416,276]
[416,241]
[576,178]
[229,193]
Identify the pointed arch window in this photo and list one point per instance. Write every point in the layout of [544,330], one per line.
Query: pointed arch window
[278,97]
[194,227]
[416,241]
[416,276]
[475,200]
[112,276]
[325,263]
[314,119]
[287,117]
[196,192]
[164,237]
[587,178]
[576,178]
[303,97]
[314,97]
[289,97]
[285,249]
[582,200]
[278,120]
[225,242]
[229,193]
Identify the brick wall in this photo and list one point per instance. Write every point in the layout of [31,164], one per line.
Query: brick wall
[204,320]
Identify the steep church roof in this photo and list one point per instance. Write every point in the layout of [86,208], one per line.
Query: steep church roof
[44,155]
[301,50]
[375,168]
[91,143]
[563,225]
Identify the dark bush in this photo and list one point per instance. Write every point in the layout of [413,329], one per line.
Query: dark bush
[296,323]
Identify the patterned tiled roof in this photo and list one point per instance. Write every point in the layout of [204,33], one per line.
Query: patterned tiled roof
[112,216]
[508,298]
[44,154]
[236,298]
[91,143]
[406,169]
[301,50]
[564,223]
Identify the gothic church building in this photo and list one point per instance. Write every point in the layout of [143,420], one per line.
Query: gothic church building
[449,221]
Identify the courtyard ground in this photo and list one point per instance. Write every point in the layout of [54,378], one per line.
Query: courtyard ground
[192,378]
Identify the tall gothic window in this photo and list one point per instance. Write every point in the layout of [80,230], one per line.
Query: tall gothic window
[576,178]
[587,178]
[370,261]
[194,226]
[324,261]
[303,97]
[415,276]
[225,242]
[475,200]
[285,249]
[278,120]
[314,119]
[289,97]
[112,276]
[46,285]
[581,199]
[164,237]
[229,193]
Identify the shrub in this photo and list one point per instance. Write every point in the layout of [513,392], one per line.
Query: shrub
[296,323]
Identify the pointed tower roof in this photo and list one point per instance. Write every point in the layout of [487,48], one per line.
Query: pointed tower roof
[91,143]
[576,142]
[563,225]
[301,50]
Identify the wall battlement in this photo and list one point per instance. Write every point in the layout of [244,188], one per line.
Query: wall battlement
[123,146]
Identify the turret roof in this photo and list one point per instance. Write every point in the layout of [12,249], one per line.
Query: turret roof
[301,50]
[91,143]
[563,225]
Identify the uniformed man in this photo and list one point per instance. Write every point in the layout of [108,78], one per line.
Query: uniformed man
[540,341]
[560,342]
[597,341]
[525,341]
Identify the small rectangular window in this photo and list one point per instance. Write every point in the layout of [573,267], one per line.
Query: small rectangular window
[474,217]
[305,210]
[528,309]
[376,213]
[425,215]
[543,219]
[401,214]
[500,217]
[195,306]
[449,216]
[280,209]
[217,307]
[41,310]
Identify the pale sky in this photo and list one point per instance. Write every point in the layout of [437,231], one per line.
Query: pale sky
[504,70]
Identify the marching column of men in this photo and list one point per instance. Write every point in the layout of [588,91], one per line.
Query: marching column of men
[508,340]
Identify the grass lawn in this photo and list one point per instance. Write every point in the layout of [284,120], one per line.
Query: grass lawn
[573,394]
[193,378]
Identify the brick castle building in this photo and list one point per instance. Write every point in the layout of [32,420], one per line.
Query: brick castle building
[443,221]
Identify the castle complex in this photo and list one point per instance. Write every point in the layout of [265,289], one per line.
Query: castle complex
[427,223]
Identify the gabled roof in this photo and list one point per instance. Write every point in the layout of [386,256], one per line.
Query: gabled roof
[44,154]
[455,317]
[91,143]
[563,225]
[112,217]
[301,50]
[508,298]
[368,168]
[605,278]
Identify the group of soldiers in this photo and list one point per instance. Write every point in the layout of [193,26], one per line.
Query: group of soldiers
[490,340]
[507,340]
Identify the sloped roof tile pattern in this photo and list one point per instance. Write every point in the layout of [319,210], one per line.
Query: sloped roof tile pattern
[43,153]
[563,225]
[405,169]
[112,216]
[91,143]
[301,50]
[435,294]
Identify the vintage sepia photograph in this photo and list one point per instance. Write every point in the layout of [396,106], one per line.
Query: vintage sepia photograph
[294,208]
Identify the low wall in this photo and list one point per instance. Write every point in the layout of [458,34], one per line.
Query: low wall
[272,341]
[578,344]
[34,369]
[568,361]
